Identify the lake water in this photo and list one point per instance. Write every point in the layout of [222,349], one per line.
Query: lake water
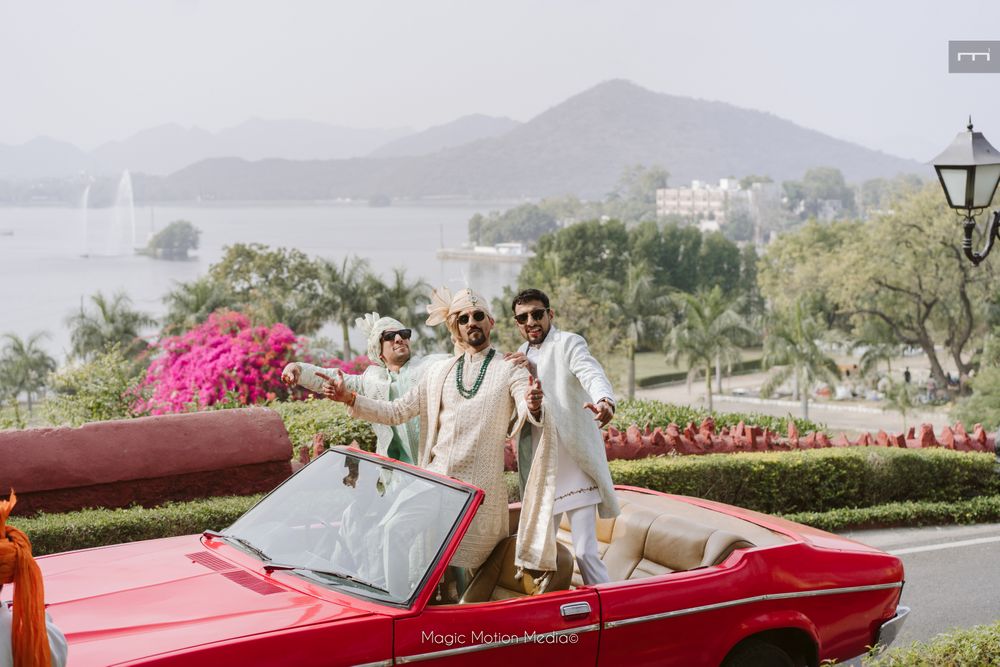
[57,257]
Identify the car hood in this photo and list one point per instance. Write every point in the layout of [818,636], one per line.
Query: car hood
[130,601]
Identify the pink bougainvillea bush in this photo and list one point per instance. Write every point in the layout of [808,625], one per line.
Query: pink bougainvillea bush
[225,360]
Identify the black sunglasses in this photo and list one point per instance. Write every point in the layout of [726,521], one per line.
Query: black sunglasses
[536,315]
[388,336]
[478,316]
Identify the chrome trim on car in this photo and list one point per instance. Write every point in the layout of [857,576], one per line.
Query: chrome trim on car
[381,663]
[525,639]
[757,598]
[888,631]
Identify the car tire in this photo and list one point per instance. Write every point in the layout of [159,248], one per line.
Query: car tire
[757,653]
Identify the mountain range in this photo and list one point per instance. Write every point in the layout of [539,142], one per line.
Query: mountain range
[579,146]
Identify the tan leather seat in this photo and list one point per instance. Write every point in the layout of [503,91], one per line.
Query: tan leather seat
[656,535]
[496,579]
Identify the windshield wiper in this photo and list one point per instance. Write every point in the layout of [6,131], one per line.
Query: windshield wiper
[239,540]
[271,567]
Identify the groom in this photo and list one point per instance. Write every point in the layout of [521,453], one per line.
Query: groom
[579,402]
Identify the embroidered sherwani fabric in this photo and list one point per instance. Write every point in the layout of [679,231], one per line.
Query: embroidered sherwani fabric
[464,438]
[376,383]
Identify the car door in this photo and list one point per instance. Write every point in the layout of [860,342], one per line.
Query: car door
[675,619]
[560,627]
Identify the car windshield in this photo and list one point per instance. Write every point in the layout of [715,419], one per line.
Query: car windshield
[357,524]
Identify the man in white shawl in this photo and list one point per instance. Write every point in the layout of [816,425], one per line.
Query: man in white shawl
[579,399]
[468,406]
[395,372]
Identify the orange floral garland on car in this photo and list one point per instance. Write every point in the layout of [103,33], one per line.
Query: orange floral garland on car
[29,640]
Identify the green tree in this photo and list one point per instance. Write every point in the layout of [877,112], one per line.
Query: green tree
[679,263]
[925,292]
[190,304]
[111,321]
[818,184]
[739,226]
[634,196]
[175,240]
[587,252]
[641,307]
[708,334]
[405,300]
[525,223]
[747,182]
[350,290]
[878,345]
[793,343]
[106,387]
[900,398]
[274,285]
[719,264]
[24,366]
[983,405]
[799,266]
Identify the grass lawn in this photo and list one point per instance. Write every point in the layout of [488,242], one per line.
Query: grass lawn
[657,363]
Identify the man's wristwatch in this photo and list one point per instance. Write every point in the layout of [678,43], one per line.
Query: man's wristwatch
[610,403]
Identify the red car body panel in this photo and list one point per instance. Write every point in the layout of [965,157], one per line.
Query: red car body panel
[194,601]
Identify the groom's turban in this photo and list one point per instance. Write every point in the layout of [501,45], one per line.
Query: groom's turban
[445,307]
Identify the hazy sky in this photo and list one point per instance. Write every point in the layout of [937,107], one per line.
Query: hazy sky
[873,72]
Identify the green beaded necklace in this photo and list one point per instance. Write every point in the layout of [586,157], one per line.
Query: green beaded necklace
[469,393]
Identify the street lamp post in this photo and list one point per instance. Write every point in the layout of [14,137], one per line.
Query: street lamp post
[969,171]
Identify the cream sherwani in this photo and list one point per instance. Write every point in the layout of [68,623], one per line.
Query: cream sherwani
[464,438]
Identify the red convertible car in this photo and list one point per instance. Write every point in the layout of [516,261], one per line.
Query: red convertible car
[345,564]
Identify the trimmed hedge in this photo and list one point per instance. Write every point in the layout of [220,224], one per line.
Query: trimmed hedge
[891,515]
[780,482]
[657,413]
[304,419]
[817,480]
[52,533]
[978,645]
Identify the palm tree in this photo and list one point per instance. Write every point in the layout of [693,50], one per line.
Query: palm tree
[793,344]
[708,334]
[190,304]
[901,397]
[641,306]
[350,290]
[879,345]
[405,301]
[112,321]
[24,365]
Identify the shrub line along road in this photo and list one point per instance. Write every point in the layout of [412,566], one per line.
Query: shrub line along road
[952,575]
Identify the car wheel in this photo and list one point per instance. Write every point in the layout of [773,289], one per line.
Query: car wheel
[756,653]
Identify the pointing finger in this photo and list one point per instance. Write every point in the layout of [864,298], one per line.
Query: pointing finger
[593,408]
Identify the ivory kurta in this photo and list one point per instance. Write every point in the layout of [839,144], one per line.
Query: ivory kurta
[570,378]
[464,437]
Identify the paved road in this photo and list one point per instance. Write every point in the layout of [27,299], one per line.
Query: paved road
[851,417]
[952,575]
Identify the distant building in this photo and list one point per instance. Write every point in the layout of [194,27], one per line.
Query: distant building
[711,207]
[698,202]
